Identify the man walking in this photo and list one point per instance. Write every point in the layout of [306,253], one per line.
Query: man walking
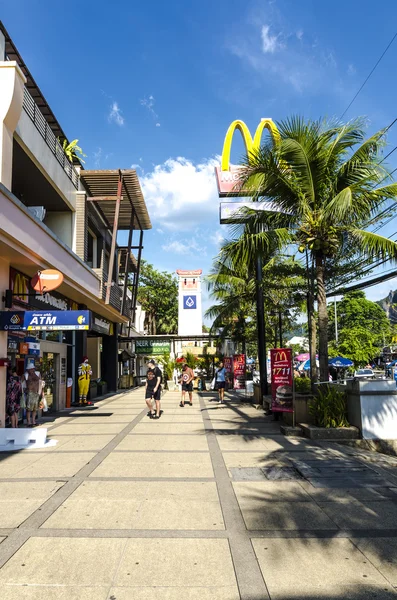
[153,390]
[187,385]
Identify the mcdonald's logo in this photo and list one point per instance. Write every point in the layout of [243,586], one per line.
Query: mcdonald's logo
[228,176]
[280,356]
[19,286]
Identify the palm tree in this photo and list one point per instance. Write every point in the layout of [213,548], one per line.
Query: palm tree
[327,179]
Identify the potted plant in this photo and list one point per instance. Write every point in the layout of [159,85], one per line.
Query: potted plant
[168,365]
[329,411]
[93,393]
[102,387]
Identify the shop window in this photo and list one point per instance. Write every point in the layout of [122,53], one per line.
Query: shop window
[92,252]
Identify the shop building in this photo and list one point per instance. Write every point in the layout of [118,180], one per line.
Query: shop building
[57,215]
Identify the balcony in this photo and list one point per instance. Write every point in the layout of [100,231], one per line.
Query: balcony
[116,293]
[34,113]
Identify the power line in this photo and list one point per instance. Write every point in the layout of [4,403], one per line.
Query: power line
[373,69]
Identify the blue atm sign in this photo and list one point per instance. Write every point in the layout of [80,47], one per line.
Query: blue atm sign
[189,302]
[43,320]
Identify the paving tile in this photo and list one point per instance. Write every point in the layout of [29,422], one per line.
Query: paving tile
[65,562]
[140,505]
[160,464]
[89,443]
[56,465]
[81,428]
[382,552]
[280,505]
[252,459]
[368,515]
[346,495]
[184,563]
[174,593]
[60,592]
[163,442]
[158,427]
[337,592]
[313,568]
[19,500]
[13,463]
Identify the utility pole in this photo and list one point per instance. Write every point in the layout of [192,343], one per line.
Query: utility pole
[336,321]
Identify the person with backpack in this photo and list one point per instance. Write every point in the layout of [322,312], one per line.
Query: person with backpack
[153,389]
[220,382]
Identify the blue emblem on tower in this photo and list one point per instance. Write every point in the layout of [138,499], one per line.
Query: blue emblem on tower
[189,302]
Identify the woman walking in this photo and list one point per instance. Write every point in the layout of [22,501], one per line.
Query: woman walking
[13,398]
[220,381]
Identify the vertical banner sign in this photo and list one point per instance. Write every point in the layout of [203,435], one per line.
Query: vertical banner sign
[282,383]
[228,364]
[239,371]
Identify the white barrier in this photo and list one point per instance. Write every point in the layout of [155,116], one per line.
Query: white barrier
[20,439]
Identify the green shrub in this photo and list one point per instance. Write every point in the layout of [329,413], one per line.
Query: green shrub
[302,385]
[329,408]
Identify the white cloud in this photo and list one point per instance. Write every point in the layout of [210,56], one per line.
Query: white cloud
[299,34]
[149,103]
[136,166]
[217,238]
[185,246]
[159,231]
[181,194]
[269,42]
[97,157]
[115,114]
[351,69]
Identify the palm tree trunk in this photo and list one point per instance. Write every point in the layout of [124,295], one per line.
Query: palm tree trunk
[322,317]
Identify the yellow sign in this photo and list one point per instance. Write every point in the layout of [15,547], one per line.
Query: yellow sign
[251,144]
[228,176]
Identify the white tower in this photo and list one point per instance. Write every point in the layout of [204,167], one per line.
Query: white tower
[190,318]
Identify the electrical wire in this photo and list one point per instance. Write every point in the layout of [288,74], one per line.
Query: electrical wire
[370,74]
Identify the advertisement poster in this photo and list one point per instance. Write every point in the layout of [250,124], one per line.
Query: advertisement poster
[152,346]
[239,371]
[282,382]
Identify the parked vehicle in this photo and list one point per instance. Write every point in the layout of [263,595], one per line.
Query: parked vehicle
[364,374]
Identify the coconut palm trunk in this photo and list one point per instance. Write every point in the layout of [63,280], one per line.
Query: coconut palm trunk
[322,316]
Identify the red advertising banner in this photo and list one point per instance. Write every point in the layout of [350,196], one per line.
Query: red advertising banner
[282,382]
[239,371]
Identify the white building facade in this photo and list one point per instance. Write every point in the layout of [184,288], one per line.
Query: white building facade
[190,314]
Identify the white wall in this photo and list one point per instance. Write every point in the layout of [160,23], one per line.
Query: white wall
[61,223]
[35,146]
[190,321]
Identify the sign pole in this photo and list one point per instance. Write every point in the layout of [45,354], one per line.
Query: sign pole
[260,316]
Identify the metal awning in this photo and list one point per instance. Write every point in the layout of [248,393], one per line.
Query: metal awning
[102,187]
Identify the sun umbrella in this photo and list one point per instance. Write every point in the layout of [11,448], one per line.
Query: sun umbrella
[306,365]
[339,361]
[302,357]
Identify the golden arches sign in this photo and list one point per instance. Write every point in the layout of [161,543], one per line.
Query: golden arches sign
[228,176]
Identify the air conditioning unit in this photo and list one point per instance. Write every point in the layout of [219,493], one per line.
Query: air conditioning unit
[38,211]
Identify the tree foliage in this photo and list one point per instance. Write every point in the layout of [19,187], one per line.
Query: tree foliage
[363,328]
[331,184]
[158,296]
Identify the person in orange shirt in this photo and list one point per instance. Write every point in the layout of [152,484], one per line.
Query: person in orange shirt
[187,385]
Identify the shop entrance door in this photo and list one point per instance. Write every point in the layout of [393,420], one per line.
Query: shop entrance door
[49,375]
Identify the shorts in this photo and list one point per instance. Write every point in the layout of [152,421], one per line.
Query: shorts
[187,387]
[219,385]
[152,394]
[33,401]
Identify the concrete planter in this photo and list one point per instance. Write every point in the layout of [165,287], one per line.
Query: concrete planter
[93,393]
[329,433]
[102,388]
[372,407]
[302,414]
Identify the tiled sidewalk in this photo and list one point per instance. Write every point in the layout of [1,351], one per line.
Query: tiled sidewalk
[192,507]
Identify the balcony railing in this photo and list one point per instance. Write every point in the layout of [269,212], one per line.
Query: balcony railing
[46,132]
[116,293]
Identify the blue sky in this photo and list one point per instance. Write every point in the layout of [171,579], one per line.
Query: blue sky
[155,85]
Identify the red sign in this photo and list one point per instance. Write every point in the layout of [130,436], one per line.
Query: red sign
[282,382]
[47,280]
[183,273]
[23,348]
[239,371]
[229,182]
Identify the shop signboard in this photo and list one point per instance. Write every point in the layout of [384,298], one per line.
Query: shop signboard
[282,382]
[239,371]
[23,348]
[57,320]
[33,348]
[24,293]
[151,346]
[100,325]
